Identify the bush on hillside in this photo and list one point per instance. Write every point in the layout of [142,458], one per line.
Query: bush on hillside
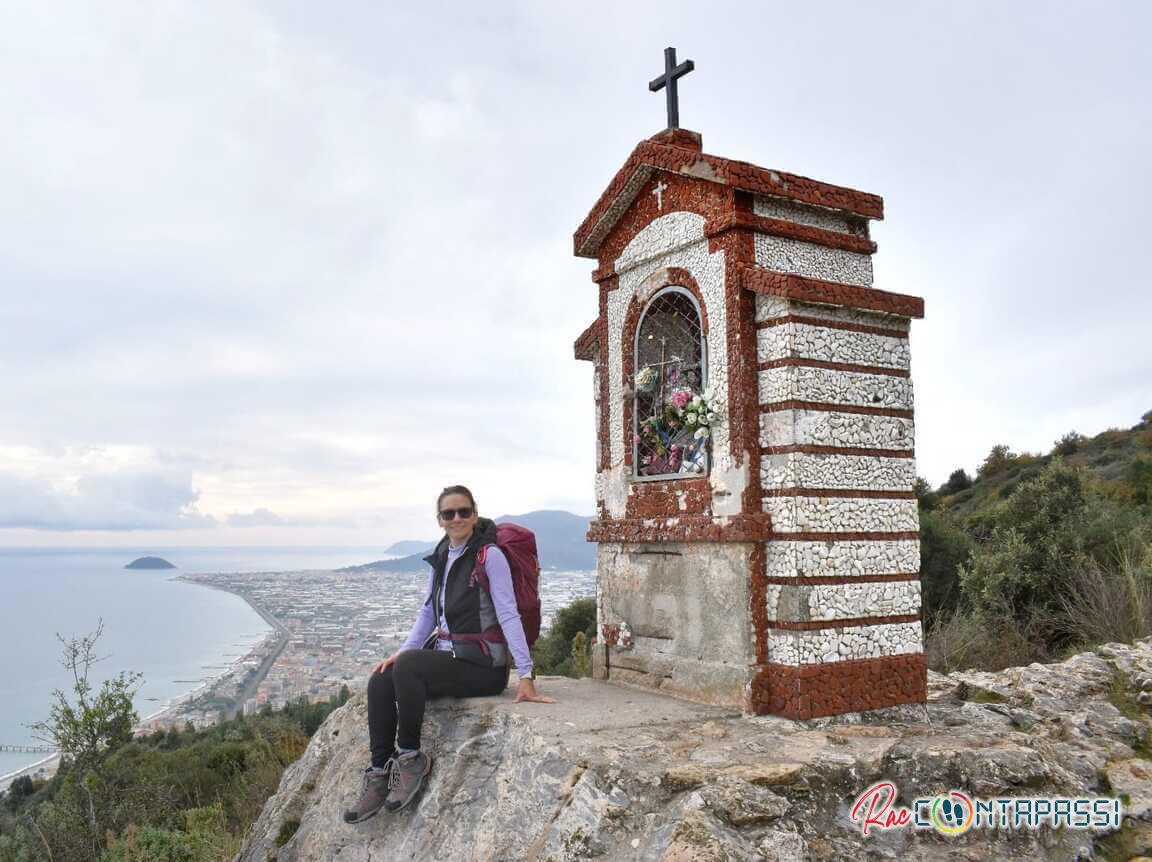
[1069,444]
[926,499]
[552,653]
[1035,541]
[957,482]
[997,461]
[944,547]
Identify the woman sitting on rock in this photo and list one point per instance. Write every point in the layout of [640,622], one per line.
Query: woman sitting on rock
[431,663]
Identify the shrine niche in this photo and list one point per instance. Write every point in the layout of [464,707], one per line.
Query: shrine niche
[757,528]
[672,415]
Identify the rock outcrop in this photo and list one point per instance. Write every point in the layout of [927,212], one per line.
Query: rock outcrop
[615,773]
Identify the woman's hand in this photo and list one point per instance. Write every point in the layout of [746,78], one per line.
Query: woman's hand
[526,691]
[387,663]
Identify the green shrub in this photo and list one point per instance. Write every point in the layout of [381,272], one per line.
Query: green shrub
[1069,444]
[1034,541]
[957,482]
[944,547]
[552,653]
[997,461]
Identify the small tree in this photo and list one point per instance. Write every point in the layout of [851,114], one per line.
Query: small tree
[998,460]
[1069,444]
[89,729]
[957,482]
[927,499]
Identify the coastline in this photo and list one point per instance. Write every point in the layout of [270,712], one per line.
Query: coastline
[46,767]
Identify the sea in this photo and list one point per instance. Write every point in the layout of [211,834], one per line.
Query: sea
[176,634]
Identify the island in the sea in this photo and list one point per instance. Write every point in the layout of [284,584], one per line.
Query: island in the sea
[150,563]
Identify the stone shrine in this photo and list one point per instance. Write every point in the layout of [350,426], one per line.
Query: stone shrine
[757,524]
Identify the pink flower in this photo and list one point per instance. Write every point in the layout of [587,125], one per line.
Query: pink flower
[681,398]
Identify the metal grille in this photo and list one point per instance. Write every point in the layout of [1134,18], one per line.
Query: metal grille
[672,417]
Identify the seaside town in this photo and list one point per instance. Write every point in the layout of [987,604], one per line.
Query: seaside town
[329,630]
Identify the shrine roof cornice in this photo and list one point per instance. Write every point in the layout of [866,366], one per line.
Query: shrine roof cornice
[679,151]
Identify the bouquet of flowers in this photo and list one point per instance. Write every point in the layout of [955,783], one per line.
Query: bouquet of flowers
[675,438]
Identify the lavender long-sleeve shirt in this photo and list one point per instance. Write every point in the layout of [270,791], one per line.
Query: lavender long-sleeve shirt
[503,600]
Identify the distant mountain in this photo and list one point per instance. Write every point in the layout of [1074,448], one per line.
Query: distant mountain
[150,563]
[409,547]
[560,539]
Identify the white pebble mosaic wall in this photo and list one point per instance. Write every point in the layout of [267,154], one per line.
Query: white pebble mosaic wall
[813,261]
[827,386]
[831,345]
[822,602]
[844,644]
[768,307]
[843,559]
[856,472]
[806,215]
[825,428]
[841,515]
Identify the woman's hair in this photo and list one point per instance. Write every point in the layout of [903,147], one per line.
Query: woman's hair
[455,489]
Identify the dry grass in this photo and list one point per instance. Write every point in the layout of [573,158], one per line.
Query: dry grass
[1104,605]
[965,640]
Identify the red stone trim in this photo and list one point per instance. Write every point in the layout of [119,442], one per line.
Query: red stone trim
[743,387]
[603,273]
[653,155]
[758,599]
[605,447]
[691,495]
[824,407]
[838,450]
[586,343]
[812,290]
[831,324]
[789,230]
[874,536]
[686,528]
[811,691]
[837,580]
[803,362]
[818,625]
[858,494]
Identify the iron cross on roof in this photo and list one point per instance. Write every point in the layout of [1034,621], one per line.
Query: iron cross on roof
[668,81]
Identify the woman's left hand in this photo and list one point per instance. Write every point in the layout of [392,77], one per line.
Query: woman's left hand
[526,691]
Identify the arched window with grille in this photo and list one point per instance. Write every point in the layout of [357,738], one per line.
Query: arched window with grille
[671,415]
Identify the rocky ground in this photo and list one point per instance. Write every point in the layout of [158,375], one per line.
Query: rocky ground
[614,773]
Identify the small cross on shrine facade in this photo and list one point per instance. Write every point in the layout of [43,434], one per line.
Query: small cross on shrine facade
[661,187]
[667,82]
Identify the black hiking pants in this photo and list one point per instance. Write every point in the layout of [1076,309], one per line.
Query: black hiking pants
[396,697]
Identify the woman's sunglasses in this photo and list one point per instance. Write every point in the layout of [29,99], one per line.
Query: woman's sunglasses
[449,514]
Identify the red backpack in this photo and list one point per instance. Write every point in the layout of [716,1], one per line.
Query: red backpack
[519,546]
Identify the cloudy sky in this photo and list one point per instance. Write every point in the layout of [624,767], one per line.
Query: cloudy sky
[276,273]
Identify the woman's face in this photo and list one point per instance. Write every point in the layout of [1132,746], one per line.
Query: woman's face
[458,529]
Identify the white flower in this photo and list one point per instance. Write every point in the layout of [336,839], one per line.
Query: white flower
[690,418]
[711,417]
[696,399]
[702,433]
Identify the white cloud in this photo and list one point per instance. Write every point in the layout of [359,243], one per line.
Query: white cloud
[123,499]
[316,261]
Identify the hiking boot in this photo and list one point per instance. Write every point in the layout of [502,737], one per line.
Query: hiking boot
[377,783]
[408,779]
